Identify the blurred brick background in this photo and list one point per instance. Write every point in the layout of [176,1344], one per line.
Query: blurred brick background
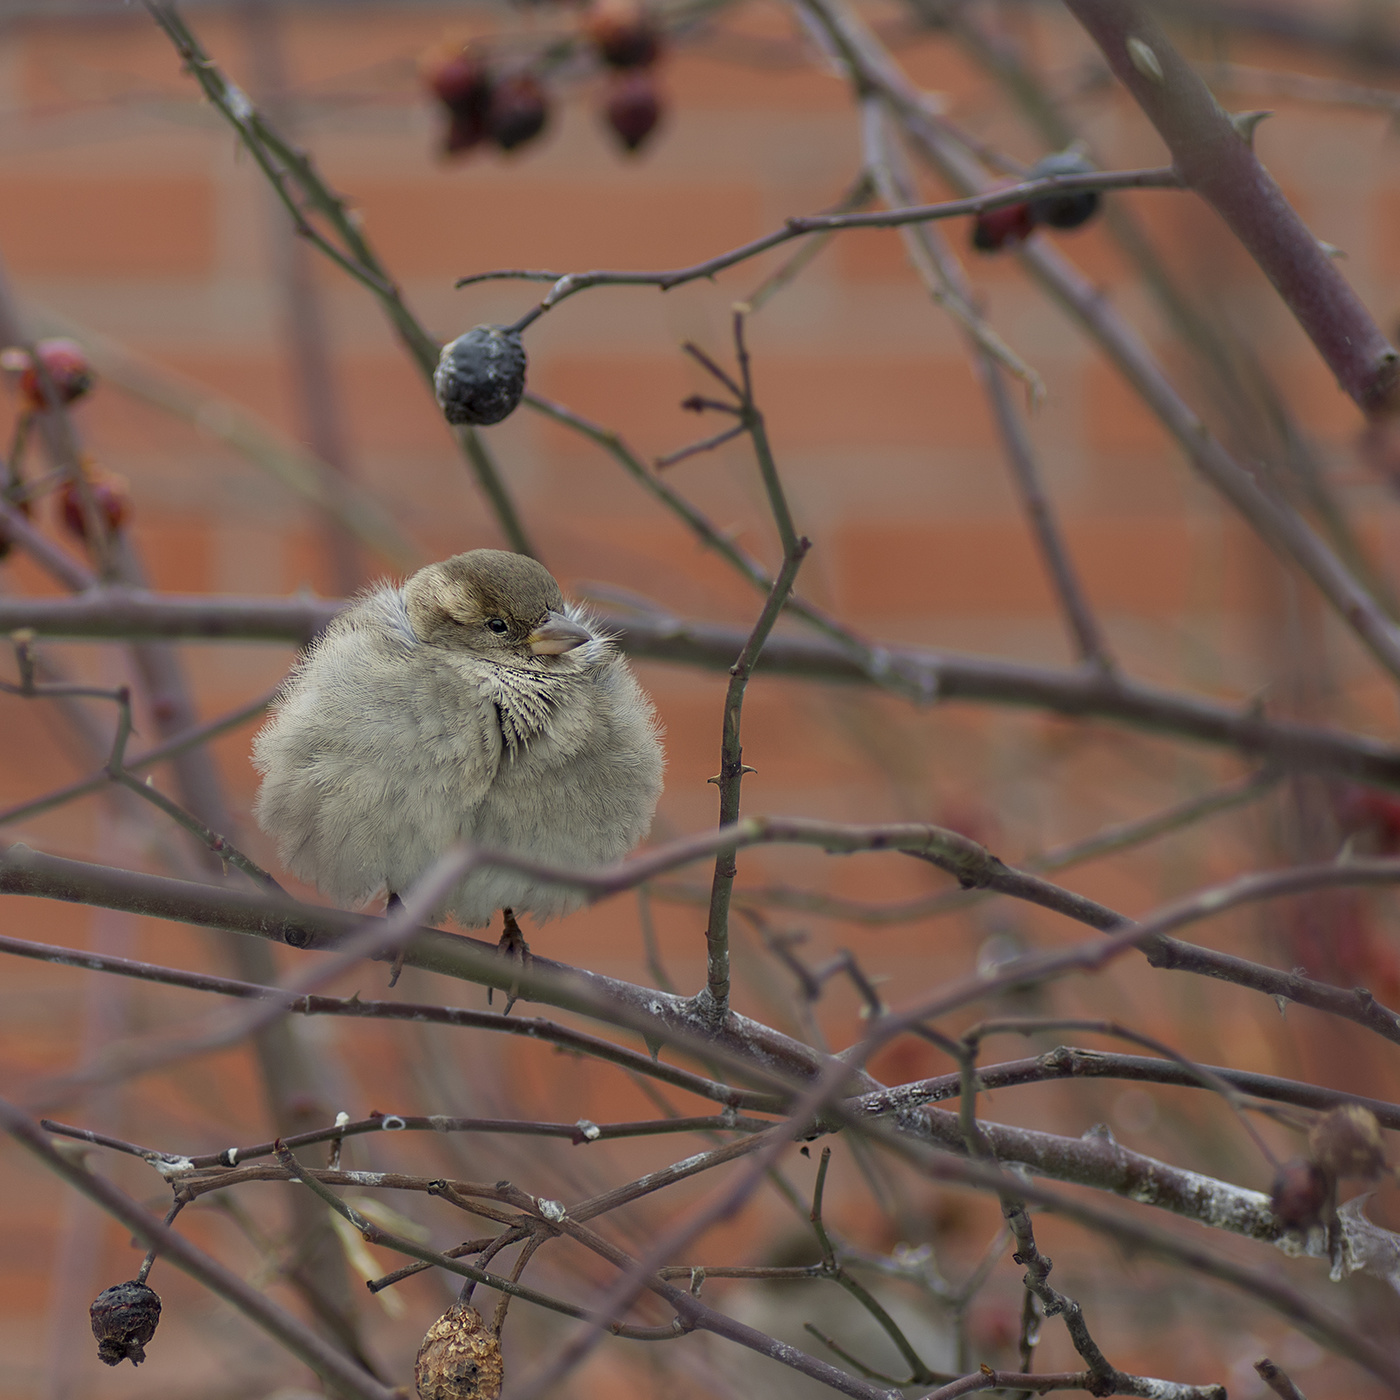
[127,209]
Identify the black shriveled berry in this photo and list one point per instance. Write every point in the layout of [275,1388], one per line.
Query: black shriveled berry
[1063,210]
[517,112]
[124,1319]
[481,375]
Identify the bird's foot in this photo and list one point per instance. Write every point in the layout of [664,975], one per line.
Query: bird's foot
[514,946]
[391,907]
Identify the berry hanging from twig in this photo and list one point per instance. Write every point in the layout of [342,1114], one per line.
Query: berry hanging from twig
[481,375]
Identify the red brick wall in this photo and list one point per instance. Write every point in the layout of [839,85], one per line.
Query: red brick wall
[125,206]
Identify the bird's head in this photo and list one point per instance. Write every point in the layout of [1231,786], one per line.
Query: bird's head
[503,607]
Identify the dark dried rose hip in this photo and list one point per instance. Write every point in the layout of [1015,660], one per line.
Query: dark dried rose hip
[124,1319]
[481,375]
[1063,210]
[518,111]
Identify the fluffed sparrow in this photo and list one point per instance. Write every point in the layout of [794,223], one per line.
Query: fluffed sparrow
[469,704]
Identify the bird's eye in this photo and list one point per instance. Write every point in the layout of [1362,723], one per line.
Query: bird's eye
[497,624]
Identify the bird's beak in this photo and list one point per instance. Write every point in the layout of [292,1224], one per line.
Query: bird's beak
[557,635]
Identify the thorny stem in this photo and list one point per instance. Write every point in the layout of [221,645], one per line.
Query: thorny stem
[1218,162]
[1053,1302]
[873,662]
[1275,521]
[943,276]
[172,748]
[567,284]
[919,675]
[730,780]
[340,1373]
[919,1373]
[284,166]
[116,769]
[144,1272]
[374,1234]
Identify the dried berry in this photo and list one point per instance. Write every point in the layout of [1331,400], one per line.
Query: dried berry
[109,495]
[481,375]
[517,112]
[1301,1195]
[1347,1142]
[1063,210]
[66,363]
[622,33]
[460,1358]
[124,1319]
[462,82]
[1006,227]
[633,108]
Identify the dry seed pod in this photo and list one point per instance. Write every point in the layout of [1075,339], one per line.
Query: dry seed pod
[1347,1142]
[124,1319]
[460,1358]
[481,375]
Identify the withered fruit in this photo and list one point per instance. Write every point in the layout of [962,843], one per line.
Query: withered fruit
[1063,210]
[460,1358]
[481,375]
[124,1319]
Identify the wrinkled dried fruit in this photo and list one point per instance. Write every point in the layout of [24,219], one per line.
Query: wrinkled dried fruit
[1007,227]
[124,1319]
[1302,1191]
[460,1358]
[622,33]
[66,362]
[518,111]
[481,375]
[109,494]
[1347,1142]
[633,108]
[1063,210]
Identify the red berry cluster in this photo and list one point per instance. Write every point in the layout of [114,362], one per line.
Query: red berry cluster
[1010,225]
[488,101]
[629,44]
[59,368]
[482,104]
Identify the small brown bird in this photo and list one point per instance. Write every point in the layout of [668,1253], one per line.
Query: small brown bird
[469,704]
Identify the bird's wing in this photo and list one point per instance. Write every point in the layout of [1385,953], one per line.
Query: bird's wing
[374,761]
